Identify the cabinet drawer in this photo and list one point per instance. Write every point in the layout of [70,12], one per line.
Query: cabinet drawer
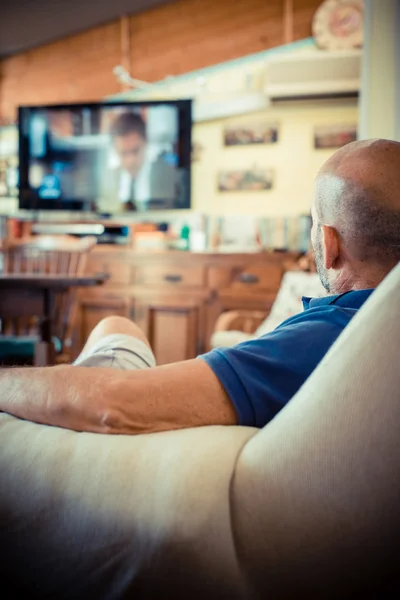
[103,297]
[119,273]
[253,278]
[170,275]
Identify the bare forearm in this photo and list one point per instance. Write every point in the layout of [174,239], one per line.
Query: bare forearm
[102,400]
[55,396]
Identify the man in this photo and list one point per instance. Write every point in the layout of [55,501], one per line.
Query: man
[137,181]
[356,240]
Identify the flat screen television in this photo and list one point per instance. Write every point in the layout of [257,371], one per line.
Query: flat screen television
[105,158]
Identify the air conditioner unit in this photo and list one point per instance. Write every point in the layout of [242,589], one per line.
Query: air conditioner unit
[229,107]
[318,74]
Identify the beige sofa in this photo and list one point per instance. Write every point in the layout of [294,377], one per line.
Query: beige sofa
[306,507]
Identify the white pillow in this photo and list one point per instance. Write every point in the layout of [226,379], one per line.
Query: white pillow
[288,302]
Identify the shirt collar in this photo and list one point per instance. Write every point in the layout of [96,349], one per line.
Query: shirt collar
[352,299]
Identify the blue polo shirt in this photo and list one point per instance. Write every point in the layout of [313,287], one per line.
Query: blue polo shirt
[260,376]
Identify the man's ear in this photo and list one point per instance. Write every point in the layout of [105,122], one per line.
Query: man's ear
[331,246]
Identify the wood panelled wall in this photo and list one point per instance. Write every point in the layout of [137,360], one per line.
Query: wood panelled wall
[169,40]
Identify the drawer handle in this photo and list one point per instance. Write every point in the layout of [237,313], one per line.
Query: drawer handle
[173,278]
[248,278]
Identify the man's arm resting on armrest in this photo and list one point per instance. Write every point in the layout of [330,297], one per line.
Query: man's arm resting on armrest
[175,396]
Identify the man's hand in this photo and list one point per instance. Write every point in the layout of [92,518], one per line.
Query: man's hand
[101,400]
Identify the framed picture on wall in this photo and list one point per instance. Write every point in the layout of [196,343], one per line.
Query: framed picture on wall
[197,151]
[243,134]
[334,136]
[253,179]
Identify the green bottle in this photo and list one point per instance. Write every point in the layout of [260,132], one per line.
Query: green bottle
[185,235]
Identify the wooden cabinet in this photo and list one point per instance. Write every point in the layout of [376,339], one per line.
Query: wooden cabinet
[95,307]
[170,275]
[119,272]
[176,297]
[174,325]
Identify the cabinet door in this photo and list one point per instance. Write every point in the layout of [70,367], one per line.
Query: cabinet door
[174,327]
[93,309]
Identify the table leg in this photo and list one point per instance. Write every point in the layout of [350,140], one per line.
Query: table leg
[44,349]
[45,355]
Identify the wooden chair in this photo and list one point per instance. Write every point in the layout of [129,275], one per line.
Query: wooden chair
[248,322]
[45,255]
[243,320]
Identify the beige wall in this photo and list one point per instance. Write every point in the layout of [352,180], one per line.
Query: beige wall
[380,97]
[293,157]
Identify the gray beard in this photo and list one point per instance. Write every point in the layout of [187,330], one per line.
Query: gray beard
[322,272]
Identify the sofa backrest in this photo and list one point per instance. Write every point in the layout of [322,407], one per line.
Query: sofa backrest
[316,494]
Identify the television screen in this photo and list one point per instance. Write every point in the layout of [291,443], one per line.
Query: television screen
[105,158]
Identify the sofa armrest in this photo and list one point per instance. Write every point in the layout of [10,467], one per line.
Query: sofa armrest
[96,516]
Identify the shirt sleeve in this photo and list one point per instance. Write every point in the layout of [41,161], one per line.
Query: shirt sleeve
[260,376]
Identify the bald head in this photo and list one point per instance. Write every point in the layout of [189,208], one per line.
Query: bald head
[358,194]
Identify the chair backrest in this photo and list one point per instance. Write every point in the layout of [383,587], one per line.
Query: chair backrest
[46,255]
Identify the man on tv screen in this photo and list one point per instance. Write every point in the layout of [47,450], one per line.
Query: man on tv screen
[137,180]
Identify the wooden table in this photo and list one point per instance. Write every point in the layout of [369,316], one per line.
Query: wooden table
[34,294]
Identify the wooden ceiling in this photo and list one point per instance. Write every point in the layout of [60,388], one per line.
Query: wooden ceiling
[25,24]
